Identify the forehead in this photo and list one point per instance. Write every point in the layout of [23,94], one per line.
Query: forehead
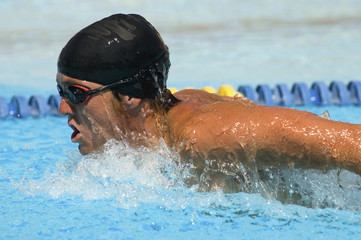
[62,79]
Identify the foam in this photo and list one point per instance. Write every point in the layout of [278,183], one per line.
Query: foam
[130,177]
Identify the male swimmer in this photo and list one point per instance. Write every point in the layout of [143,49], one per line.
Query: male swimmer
[112,79]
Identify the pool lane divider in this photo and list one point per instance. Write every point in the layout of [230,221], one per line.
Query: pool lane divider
[319,94]
[36,106]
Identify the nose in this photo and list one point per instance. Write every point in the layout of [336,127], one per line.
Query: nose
[65,108]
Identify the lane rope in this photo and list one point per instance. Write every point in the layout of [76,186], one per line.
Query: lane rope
[318,94]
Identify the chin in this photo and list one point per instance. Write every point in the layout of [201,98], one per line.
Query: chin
[84,150]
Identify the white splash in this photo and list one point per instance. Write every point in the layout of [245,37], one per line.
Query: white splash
[130,176]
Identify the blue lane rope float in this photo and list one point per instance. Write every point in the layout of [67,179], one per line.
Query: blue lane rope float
[247,91]
[283,96]
[354,88]
[265,95]
[19,107]
[301,95]
[319,94]
[339,94]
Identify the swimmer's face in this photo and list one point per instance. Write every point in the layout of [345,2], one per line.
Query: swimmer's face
[94,122]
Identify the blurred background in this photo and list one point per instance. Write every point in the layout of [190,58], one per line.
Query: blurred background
[212,42]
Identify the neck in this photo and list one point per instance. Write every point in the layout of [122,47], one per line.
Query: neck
[145,126]
[156,126]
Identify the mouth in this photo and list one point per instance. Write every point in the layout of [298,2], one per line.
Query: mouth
[75,135]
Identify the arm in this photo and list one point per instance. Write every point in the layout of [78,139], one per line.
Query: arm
[302,139]
[232,131]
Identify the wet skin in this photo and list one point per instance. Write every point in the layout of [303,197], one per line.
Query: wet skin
[103,117]
[228,131]
[234,130]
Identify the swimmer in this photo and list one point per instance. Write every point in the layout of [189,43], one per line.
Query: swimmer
[112,79]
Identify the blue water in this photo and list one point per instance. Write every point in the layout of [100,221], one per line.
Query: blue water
[49,191]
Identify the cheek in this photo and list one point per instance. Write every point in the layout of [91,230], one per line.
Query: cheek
[95,123]
[102,121]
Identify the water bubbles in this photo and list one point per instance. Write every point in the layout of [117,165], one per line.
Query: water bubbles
[124,174]
[134,176]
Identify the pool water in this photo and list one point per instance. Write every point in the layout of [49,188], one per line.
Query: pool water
[49,191]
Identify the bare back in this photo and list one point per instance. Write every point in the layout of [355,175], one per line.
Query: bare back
[237,131]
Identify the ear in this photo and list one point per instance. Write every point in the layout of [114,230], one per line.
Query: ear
[131,103]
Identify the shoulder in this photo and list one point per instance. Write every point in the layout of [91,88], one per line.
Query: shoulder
[203,121]
[198,106]
[196,102]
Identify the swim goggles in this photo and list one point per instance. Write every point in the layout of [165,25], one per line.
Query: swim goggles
[78,94]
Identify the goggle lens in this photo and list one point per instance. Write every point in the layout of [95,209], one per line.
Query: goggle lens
[75,93]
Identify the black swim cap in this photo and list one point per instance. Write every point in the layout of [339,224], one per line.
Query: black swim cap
[115,48]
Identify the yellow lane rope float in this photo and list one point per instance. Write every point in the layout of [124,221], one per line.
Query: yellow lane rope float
[224,90]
